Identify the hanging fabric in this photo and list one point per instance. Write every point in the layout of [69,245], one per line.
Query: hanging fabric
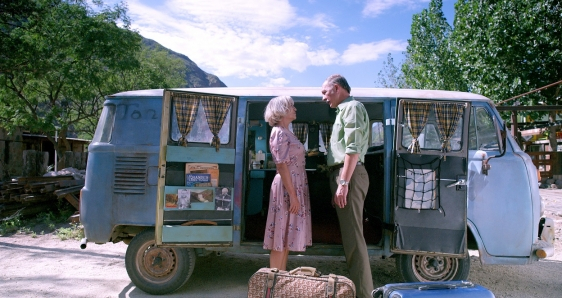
[326,130]
[416,114]
[216,109]
[447,116]
[186,112]
[300,130]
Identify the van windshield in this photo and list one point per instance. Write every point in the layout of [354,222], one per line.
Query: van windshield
[105,125]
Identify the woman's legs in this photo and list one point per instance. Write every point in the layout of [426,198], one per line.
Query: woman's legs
[278,259]
[285,256]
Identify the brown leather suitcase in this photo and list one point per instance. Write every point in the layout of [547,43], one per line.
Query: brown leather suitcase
[299,282]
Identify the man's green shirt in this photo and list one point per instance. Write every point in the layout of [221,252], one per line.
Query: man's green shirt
[350,134]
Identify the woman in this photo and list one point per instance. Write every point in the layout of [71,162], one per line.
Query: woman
[288,219]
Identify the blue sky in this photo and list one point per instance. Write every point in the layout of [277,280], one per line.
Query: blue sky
[281,42]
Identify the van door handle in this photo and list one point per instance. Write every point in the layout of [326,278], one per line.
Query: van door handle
[460,182]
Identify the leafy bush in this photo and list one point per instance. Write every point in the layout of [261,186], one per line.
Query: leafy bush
[75,231]
[48,220]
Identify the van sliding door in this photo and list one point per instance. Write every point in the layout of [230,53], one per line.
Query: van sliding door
[429,208]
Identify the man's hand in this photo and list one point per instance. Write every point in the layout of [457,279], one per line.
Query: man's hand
[340,199]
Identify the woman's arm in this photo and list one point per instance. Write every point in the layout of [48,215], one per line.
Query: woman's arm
[283,170]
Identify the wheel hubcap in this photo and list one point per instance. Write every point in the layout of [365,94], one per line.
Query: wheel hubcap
[159,261]
[433,268]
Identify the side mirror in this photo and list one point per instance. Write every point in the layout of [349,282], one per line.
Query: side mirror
[503,135]
[484,157]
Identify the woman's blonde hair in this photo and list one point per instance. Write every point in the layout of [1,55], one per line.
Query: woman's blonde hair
[277,108]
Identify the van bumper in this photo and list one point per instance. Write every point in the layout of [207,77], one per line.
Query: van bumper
[544,246]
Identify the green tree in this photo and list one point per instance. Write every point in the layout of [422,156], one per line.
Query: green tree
[157,69]
[429,63]
[13,16]
[506,48]
[63,53]
[60,58]
[391,76]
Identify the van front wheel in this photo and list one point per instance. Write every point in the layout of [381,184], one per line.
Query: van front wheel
[421,268]
[157,270]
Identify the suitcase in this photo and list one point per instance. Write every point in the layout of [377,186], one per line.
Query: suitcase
[299,282]
[432,289]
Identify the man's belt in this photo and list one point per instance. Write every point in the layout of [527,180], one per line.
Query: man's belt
[339,166]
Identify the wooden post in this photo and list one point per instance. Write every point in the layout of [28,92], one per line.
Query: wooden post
[514,128]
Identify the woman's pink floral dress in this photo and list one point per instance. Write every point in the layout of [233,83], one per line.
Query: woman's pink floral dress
[285,230]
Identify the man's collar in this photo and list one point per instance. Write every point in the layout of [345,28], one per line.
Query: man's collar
[338,108]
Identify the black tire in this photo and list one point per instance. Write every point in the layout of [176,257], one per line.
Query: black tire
[157,270]
[421,268]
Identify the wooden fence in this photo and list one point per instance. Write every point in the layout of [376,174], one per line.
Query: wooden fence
[547,162]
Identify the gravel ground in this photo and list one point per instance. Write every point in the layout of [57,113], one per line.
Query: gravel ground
[48,267]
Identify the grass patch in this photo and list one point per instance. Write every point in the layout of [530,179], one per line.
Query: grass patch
[75,231]
[11,224]
[55,220]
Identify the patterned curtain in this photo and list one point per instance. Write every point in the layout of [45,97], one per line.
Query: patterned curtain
[326,130]
[186,112]
[447,116]
[216,109]
[300,130]
[416,114]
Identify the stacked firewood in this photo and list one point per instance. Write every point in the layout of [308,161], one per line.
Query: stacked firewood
[28,196]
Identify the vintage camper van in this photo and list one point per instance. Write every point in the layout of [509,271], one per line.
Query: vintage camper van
[180,173]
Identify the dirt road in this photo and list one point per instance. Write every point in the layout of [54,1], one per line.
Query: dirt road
[47,267]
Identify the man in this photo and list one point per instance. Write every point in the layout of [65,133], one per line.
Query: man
[223,200]
[349,180]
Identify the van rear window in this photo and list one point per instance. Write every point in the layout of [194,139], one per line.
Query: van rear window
[200,132]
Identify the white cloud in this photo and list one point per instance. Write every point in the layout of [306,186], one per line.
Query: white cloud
[277,82]
[241,38]
[357,53]
[264,15]
[318,21]
[244,39]
[373,8]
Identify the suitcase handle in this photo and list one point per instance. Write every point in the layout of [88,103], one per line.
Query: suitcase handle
[306,271]
[446,286]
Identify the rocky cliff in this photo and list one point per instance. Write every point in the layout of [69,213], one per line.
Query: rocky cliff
[194,76]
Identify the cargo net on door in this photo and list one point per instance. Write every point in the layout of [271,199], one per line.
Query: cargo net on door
[418,184]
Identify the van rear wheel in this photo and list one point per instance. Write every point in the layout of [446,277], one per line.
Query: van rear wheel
[157,270]
[422,268]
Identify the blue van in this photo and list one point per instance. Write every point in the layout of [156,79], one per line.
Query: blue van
[181,173]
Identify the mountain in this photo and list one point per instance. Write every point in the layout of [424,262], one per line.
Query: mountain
[194,76]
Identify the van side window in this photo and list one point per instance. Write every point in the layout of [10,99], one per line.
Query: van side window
[377,134]
[200,132]
[482,131]
[105,125]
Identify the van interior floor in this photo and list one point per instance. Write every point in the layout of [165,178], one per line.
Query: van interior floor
[325,228]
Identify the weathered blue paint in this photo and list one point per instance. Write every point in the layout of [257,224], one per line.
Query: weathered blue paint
[199,154]
[196,234]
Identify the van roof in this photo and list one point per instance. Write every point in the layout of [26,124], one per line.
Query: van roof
[311,92]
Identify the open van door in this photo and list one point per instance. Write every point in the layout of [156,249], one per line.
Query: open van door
[430,192]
